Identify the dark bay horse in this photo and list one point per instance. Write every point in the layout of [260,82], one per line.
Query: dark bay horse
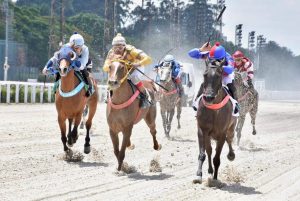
[70,101]
[123,110]
[214,121]
[168,100]
[248,103]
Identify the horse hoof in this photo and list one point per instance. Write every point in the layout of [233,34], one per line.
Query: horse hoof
[179,127]
[87,149]
[231,156]
[131,147]
[254,133]
[197,180]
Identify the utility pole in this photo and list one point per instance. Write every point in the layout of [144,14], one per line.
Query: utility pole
[6,66]
[109,25]
[174,25]
[62,22]
[52,25]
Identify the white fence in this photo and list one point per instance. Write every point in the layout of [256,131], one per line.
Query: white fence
[31,88]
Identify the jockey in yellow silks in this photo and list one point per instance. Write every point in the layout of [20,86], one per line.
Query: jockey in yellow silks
[132,55]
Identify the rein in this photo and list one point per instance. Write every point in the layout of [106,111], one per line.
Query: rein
[127,66]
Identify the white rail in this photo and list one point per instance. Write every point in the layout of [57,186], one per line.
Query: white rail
[33,86]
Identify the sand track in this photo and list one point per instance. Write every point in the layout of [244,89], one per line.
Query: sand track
[267,165]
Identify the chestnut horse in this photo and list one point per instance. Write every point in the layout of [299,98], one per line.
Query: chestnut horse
[248,102]
[70,101]
[168,100]
[123,110]
[214,120]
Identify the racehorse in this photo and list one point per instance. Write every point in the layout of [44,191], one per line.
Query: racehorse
[248,103]
[214,120]
[70,100]
[168,99]
[123,110]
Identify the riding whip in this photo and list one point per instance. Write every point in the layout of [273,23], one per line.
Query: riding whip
[218,18]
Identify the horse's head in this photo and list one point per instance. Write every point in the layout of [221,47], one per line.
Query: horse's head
[117,73]
[65,57]
[213,79]
[165,72]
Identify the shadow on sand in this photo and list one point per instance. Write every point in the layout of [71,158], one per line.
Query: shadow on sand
[139,176]
[179,139]
[240,189]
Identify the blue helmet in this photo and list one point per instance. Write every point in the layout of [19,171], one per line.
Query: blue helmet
[217,52]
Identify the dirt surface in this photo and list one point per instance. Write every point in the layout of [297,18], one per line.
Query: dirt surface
[33,165]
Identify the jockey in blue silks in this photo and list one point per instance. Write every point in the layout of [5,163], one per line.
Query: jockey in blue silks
[169,60]
[77,45]
[214,55]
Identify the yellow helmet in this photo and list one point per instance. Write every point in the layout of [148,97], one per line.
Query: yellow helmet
[119,40]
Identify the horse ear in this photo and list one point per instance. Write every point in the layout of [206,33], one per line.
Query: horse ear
[72,55]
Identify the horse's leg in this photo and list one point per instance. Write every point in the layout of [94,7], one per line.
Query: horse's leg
[217,161]
[239,128]
[171,115]
[229,139]
[130,145]
[115,141]
[209,152]
[201,157]
[253,112]
[88,125]
[179,107]
[150,121]
[164,119]
[70,126]
[74,134]
[84,114]
[126,137]
[62,126]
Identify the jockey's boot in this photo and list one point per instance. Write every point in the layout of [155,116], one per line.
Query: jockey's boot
[85,76]
[232,91]
[179,87]
[145,103]
[195,103]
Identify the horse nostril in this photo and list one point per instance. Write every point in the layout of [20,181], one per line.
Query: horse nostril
[116,82]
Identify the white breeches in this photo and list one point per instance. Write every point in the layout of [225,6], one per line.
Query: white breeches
[228,79]
[136,76]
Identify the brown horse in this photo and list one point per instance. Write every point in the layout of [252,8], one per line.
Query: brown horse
[214,120]
[248,101]
[70,101]
[123,109]
[168,100]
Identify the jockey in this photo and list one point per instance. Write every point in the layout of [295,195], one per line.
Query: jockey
[136,57]
[215,54]
[176,71]
[82,52]
[244,65]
